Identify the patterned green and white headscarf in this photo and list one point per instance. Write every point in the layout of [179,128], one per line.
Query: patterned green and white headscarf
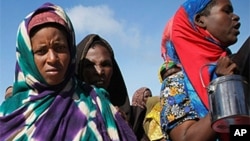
[68,111]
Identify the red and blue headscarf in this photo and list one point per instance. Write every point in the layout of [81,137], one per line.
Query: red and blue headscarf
[191,47]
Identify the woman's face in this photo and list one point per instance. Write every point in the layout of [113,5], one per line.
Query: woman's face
[222,23]
[98,66]
[51,54]
[146,95]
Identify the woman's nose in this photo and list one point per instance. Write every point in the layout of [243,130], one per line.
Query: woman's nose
[235,17]
[52,56]
[99,69]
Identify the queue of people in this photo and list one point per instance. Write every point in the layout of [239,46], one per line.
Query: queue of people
[64,91]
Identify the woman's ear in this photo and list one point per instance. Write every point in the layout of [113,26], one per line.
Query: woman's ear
[199,20]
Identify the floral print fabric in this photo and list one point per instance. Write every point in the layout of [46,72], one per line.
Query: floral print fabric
[176,102]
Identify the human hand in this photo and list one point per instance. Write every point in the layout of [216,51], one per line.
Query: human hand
[225,66]
[122,113]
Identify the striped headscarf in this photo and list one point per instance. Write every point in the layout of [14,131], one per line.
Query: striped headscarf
[68,111]
[184,41]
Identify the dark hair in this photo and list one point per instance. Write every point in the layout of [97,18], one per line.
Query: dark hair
[207,9]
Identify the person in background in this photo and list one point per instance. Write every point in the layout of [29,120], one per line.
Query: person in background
[48,103]
[96,65]
[138,110]
[140,97]
[8,92]
[151,123]
[199,33]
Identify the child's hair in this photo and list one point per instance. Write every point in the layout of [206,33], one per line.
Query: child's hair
[164,68]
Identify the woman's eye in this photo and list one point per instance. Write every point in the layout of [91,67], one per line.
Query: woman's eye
[88,64]
[40,51]
[60,48]
[228,10]
[107,64]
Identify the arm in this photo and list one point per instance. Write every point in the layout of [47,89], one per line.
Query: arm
[183,117]
[201,129]
[194,130]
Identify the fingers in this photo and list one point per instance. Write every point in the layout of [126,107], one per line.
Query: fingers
[225,66]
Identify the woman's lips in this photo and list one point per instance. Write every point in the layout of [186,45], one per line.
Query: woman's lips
[100,82]
[53,71]
[237,27]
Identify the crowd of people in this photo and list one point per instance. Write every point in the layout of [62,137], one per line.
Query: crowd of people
[68,91]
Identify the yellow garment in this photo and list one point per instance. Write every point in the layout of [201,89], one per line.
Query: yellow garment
[152,125]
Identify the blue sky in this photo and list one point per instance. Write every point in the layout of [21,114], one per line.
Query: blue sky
[132,27]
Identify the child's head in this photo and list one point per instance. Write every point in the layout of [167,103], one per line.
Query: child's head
[167,69]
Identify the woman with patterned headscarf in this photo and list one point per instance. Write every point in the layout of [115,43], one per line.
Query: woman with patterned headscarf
[48,103]
[198,34]
[140,97]
[139,109]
